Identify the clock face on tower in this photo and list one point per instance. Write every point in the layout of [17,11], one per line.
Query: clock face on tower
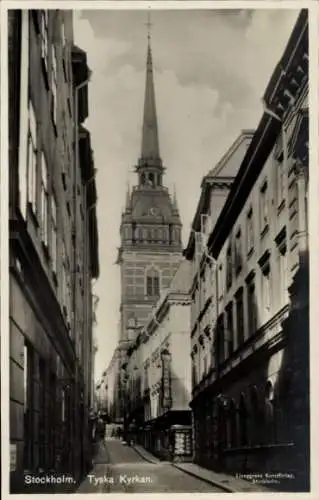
[152,211]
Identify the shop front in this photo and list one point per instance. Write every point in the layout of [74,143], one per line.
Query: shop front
[169,437]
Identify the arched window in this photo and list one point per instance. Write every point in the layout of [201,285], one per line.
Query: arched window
[152,283]
[243,416]
[143,179]
[269,413]
[232,424]
[151,179]
[255,415]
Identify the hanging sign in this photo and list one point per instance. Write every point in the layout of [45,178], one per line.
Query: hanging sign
[166,382]
[13,457]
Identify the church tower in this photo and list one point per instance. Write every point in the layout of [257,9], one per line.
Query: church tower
[151,246]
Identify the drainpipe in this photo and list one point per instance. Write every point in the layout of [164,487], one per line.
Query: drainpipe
[74,287]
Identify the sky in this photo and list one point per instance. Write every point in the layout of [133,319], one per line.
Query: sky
[211,68]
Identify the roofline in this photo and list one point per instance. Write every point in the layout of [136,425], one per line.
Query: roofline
[261,145]
[244,134]
[207,182]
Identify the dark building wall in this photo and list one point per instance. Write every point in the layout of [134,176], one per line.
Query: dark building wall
[44,381]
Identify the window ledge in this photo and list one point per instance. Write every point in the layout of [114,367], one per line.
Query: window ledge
[45,73]
[45,251]
[64,181]
[250,252]
[55,279]
[281,206]
[238,270]
[32,214]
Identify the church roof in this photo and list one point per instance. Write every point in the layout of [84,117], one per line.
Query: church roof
[181,280]
[152,202]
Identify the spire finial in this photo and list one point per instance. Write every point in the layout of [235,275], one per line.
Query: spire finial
[150,144]
[149,25]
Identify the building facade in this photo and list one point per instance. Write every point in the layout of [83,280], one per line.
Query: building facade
[158,375]
[251,403]
[53,247]
[151,246]
[216,186]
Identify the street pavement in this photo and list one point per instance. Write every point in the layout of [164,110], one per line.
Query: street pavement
[118,468]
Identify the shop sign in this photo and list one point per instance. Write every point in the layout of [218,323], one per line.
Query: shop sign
[166,387]
[13,457]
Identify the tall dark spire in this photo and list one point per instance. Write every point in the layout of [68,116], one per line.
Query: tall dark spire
[150,145]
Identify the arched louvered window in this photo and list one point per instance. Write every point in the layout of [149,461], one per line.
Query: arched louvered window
[152,282]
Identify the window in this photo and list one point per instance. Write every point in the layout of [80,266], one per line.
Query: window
[220,348]
[238,252]
[240,317]
[252,306]
[63,405]
[232,424]
[250,231]
[255,416]
[28,373]
[126,232]
[44,37]
[243,421]
[270,421]
[44,200]
[63,38]
[32,159]
[205,360]
[280,180]
[220,281]
[54,85]
[264,206]
[64,283]
[152,283]
[54,233]
[230,328]
[282,266]
[264,263]
[198,244]
[229,268]
[42,413]
[266,289]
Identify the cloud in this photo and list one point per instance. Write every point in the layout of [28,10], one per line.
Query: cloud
[211,69]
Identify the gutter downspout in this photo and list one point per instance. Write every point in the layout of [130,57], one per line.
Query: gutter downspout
[77,88]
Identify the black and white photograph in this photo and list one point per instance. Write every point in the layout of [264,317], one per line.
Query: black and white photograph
[158,248]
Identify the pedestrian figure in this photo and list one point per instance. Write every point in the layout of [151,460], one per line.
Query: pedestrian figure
[101,428]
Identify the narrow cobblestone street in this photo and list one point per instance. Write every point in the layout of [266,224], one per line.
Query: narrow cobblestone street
[120,469]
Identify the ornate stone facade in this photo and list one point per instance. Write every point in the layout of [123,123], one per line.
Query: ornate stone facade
[250,415]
